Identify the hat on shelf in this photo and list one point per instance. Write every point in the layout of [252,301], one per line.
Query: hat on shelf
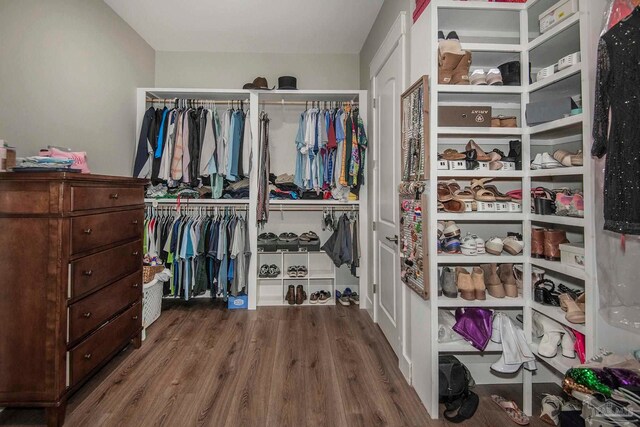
[287,83]
[258,83]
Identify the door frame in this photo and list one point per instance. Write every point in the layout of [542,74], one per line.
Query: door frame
[396,37]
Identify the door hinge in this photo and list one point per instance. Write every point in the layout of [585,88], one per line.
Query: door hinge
[374,103]
[373,226]
[375,288]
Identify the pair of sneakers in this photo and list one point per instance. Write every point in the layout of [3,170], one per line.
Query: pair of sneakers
[320,297]
[493,77]
[472,245]
[348,297]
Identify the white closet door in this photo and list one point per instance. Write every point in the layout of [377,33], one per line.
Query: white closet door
[388,86]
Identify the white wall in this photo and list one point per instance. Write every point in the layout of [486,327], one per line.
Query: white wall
[68,73]
[232,70]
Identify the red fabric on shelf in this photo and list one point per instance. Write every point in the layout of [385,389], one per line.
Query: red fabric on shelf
[421,5]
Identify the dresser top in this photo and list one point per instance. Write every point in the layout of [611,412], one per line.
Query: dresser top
[70,176]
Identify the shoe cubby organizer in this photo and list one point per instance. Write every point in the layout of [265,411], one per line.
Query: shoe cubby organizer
[549,155]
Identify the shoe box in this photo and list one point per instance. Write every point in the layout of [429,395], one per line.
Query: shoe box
[291,246]
[556,14]
[460,116]
[572,254]
[310,246]
[267,246]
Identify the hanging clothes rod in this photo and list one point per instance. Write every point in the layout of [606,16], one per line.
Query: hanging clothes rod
[193,101]
[316,208]
[217,102]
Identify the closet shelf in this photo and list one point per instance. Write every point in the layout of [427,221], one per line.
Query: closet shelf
[558,267]
[478,259]
[557,219]
[559,362]
[473,131]
[185,202]
[479,174]
[573,170]
[479,5]
[561,75]
[270,278]
[492,47]
[471,89]
[481,216]
[566,126]
[313,203]
[554,32]
[327,276]
[465,347]
[489,302]
[558,315]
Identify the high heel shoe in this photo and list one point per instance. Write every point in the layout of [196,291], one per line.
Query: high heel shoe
[574,314]
[552,334]
[551,407]
[568,343]
[580,346]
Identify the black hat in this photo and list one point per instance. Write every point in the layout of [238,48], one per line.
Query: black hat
[287,83]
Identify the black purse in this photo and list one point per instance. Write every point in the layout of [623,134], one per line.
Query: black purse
[454,380]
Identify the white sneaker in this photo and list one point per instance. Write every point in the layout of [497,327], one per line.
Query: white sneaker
[468,246]
[548,162]
[479,245]
[494,77]
[537,162]
[478,77]
[494,246]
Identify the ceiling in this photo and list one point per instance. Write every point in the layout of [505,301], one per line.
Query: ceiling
[270,26]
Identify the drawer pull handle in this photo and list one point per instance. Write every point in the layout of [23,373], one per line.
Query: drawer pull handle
[135,253]
[135,317]
[87,314]
[87,356]
[134,222]
[87,231]
[114,196]
[135,285]
[88,272]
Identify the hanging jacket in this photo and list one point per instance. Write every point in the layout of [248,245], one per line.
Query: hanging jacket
[142,164]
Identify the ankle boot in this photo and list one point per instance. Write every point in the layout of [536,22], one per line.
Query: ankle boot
[537,242]
[515,151]
[492,281]
[465,284]
[291,295]
[447,63]
[568,344]
[477,279]
[505,273]
[449,288]
[552,241]
[301,295]
[460,74]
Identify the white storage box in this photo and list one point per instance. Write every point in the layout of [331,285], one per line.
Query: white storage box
[483,166]
[508,166]
[568,61]
[556,14]
[546,72]
[443,165]
[458,165]
[572,254]
[151,303]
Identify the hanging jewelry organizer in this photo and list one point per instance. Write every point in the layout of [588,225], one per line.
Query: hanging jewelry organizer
[414,111]
[414,260]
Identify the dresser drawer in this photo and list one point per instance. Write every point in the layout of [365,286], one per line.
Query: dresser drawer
[96,270]
[92,231]
[95,197]
[101,344]
[92,311]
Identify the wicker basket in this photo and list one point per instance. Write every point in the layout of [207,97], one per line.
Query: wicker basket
[151,303]
[149,271]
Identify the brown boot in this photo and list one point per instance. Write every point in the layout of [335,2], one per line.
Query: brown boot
[465,284]
[447,63]
[552,241]
[477,279]
[537,242]
[492,281]
[505,272]
[291,295]
[460,75]
[301,295]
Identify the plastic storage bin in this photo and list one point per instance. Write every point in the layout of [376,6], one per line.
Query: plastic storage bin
[151,304]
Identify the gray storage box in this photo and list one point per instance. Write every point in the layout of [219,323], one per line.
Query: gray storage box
[285,246]
[547,111]
[268,246]
[310,246]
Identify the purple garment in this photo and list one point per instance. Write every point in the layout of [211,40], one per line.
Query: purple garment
[474,325]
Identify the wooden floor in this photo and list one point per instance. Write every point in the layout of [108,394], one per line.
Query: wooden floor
[299,366]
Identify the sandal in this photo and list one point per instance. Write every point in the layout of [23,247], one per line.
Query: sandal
[544,292]
[454,206]
[481,155]
[267,237]
[264,271]
[574,314]
[500,197]
[451,154]
[484,195]
[512,410]
[444,193]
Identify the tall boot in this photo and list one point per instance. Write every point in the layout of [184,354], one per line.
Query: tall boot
[447,63]
[515,151]
[537,242]
[552,241]
[461,72]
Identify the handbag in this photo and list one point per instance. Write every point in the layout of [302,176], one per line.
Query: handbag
[475,325]
[454,382]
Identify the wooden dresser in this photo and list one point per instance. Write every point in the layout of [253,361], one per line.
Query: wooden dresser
[70,282]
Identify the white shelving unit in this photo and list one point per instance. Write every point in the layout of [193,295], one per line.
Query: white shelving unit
[506,32]
[283,107]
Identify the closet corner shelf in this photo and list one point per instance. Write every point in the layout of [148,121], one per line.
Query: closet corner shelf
[557,219]
[559,362]
[573,170]
[472,131]
[558,315]
[479,259]
[465,347]
[481,216]
[185,202]
[552,33]
[558,267]
[471,89]
[558,128]
[479,174]
[561,75]
[489,302]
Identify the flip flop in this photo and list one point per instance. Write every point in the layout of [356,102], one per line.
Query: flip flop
[512,410]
